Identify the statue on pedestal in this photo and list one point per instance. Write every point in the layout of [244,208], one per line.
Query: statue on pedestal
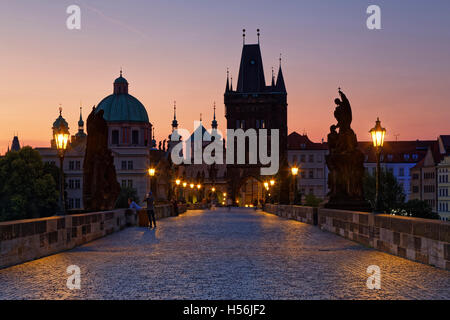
[100,186]
[345,162]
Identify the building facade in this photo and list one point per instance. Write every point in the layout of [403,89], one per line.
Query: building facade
[443,186]
[309,157]
[254,105]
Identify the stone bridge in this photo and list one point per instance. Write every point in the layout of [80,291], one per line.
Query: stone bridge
[221,254]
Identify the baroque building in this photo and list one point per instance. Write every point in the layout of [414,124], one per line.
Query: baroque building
[129,134]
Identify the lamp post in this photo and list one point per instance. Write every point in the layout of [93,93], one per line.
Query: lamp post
[184,190]
[151,173]
[61,136]
[177,182]
[378,134]
[294,171]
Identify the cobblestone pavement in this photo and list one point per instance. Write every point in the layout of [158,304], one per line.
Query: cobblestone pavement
[240,254]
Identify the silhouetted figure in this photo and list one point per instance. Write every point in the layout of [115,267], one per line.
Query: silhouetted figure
[151,210]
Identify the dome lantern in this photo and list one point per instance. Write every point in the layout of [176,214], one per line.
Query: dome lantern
[120,85]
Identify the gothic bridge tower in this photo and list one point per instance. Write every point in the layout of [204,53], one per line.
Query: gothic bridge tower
[255,105]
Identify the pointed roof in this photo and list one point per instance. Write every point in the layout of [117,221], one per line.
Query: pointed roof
[280,86]
[81,122]
[227,87]
[251,72]
[15,146]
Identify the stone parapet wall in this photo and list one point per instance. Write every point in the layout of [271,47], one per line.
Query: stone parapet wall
[423,240]
[299,213]
[25,240]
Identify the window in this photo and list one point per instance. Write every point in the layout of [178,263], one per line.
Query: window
[302,158]
[78,203]
[77,165]
[71,165]
[77,184]
[130,183]
[130,165]
[401,172]
[71,184]
[406,157]
[260,124]
[135,137]
[415,156]
[115,137]
[124,165]
[415,189]
[303,173]
[390,157]
[311,158]
[415,176]
[311,174]
[124,183]
[311,191]
[70,203]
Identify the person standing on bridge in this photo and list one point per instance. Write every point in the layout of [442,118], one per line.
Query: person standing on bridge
[151,210]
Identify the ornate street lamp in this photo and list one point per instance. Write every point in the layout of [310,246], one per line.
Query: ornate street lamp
[272,182]
[294,171]
[61,136]
[378,133]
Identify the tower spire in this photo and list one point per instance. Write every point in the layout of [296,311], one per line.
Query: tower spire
[258,34]
[214,122]
[227,87]
[280,86]
[243,37]
[174,121]
[231,84]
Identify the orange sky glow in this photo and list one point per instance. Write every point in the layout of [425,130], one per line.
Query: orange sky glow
[178,52]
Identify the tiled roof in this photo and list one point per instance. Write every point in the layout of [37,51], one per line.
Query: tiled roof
[301,142]
[398,151]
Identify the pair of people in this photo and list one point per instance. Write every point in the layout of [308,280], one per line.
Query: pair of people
[150,208]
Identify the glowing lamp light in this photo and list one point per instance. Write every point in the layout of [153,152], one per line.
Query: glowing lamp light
[191,185]
[199,186]
[294,171]
[266,185]
[224,194]
[61,140]
[272,182]
[151,172]
[184,184]
[213,189]
[178,181]
[378,134]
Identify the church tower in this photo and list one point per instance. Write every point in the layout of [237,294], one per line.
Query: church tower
[255,105]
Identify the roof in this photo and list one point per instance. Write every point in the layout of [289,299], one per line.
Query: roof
[445,139]
[122,108]
[251,71]
[301,142]
[398,151]
[121,80]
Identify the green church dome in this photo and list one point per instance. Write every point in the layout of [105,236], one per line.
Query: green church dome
[122,106]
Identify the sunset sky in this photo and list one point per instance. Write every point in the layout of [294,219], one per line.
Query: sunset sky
[180,50]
